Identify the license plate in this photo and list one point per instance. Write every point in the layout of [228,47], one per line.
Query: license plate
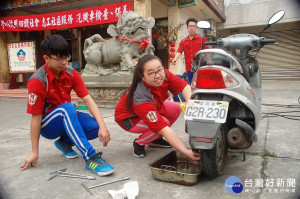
[206,110]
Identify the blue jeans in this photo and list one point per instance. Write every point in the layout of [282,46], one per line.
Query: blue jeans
[63,121]
[190,76]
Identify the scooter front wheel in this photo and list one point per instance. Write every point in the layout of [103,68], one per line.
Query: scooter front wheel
[213,160]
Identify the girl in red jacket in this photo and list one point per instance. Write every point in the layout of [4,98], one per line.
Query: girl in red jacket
[144,108]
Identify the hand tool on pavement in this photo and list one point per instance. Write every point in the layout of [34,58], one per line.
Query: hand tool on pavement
[65,174]
[61,170]
[56,173]
[77,176]
[105,183]
[62,173]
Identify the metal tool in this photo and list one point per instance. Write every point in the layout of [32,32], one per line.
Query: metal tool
[182,105]
[105,183]
[56,173]
[53,176]
[62,173]
[77,176]
[179,99]
[61,170]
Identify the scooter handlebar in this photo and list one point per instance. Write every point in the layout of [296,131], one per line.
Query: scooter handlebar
[211,43]
[267,41]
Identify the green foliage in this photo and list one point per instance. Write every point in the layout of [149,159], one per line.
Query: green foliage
[267,153]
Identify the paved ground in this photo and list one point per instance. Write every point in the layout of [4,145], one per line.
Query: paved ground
[279,168]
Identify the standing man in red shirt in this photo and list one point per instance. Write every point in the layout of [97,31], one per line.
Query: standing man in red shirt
[190,45]
[53,115]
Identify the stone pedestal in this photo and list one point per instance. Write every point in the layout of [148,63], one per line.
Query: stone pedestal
[107,90]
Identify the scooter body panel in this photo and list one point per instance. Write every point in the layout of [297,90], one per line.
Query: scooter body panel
[202,129]
[242,93]
[228,83]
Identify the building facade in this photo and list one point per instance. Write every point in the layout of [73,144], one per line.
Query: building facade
[277,62]
[170,17]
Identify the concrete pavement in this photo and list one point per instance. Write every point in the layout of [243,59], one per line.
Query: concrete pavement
[274,159]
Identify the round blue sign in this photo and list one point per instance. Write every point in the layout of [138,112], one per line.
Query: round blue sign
[233,185]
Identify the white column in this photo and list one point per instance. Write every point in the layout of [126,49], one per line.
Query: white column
[143,7]
[174,20]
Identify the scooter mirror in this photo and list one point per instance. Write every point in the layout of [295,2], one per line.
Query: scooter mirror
[203,25]
[276,17]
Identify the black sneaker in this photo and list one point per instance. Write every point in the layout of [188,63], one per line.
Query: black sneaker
[138,150]
[160,143]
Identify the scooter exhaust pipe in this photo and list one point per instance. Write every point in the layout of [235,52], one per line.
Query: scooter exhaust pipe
[237,138]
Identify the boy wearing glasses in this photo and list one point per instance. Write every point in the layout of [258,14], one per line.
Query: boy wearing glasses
[145,110]
[190,45]
[53,115]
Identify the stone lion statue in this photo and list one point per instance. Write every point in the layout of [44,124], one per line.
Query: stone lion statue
[130,40]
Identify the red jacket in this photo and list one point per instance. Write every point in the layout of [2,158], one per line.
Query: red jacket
[45,92]
[147,104]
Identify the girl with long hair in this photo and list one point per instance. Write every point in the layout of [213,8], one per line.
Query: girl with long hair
[144,108]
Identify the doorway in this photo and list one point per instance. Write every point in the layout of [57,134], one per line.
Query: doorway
[160,40]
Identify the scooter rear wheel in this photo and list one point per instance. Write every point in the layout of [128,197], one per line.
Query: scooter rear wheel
[213,160]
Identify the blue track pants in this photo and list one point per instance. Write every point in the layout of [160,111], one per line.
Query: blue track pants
[63,121]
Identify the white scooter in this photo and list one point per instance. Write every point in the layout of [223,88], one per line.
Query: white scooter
[225,107]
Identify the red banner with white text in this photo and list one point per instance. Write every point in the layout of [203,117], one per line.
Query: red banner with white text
[68,19]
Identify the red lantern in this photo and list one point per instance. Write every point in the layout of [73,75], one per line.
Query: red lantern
[172,44]
[172,55]
[172,50]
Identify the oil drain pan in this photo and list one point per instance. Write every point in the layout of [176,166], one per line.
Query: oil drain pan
[176,168]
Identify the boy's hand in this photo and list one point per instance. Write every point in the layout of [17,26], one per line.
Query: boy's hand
[104,135]
[31,160]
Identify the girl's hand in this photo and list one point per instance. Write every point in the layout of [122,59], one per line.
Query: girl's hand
[192,155]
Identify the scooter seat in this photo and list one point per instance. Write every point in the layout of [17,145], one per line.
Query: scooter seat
[224,61]
[218,60]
